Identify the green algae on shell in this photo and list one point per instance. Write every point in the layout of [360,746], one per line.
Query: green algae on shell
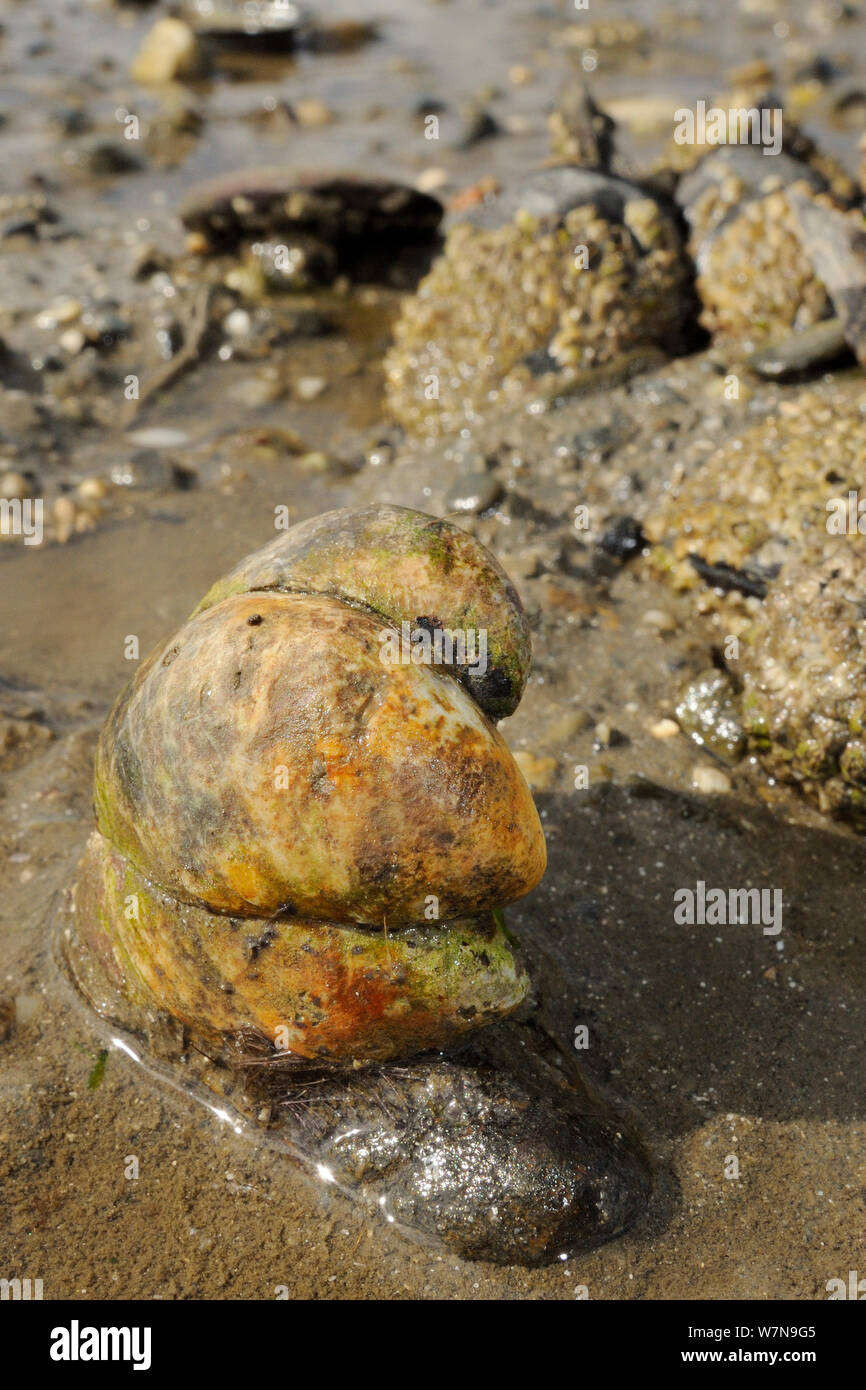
[314,836]
[400,562]
[707,711]
[317,990]
[267,759]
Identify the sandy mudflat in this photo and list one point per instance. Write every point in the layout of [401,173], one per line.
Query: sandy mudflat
[719,1041]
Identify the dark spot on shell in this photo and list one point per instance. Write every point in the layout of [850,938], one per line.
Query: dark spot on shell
[490,688]
[170,656]
[319,783]
[255,944]
[254,619]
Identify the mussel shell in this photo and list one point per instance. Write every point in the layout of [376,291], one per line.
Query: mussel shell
[267,760]
[407,566]
[337,206]
[318,990]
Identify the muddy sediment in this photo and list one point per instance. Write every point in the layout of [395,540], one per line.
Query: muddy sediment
[592,492]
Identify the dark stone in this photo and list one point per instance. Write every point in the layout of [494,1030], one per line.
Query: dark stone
[247,23]
[105,158]
[623,538]
[498,1153]
[540,362]
[597,442]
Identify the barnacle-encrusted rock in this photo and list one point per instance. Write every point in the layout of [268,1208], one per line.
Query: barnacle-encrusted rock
[768,508]
[757,278]
[804,698]
[298,832]
[568,272]
[760,500]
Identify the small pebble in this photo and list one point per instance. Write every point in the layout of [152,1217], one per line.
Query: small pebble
[65,311]
[256,391]
[248,279]
[312,114]
[606,736]
[92,489]
[64,518]
[73,341]
[14,485]
[237,324]
[665,728]
[431,179]
[170,53]
[710,780]
[307,388]
[475,493]
[659,619]
[158,437]
[314,462]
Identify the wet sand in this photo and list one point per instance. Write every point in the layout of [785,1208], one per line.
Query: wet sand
[720,1042]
